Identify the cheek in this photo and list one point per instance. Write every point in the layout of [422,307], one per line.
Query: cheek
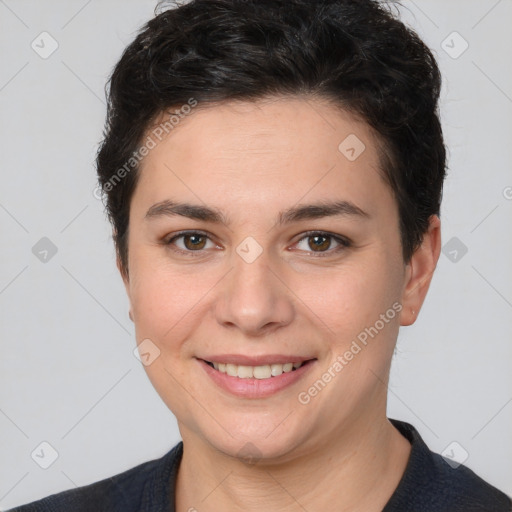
[165,306]
[353,297]
[165,300]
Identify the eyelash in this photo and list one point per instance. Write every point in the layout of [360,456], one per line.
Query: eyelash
[344,243]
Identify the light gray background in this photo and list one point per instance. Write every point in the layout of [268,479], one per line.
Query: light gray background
[67,372]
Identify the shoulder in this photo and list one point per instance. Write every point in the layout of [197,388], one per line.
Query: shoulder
[431,483]
[143,488]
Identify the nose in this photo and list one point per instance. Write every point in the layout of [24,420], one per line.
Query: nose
[254,298]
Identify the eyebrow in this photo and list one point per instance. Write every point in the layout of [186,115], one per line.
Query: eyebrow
[168,208]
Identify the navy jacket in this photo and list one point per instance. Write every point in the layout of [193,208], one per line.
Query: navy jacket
[429,484]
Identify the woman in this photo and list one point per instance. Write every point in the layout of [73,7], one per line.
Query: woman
[273,172]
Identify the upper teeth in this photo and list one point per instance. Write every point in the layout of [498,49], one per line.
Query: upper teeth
[257,372]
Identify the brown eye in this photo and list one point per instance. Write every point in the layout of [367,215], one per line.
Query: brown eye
[194,242]
[320,244]
[190,242]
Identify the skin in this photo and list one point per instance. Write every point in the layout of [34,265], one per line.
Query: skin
[251,161]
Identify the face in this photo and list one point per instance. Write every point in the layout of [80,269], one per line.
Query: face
[288,252]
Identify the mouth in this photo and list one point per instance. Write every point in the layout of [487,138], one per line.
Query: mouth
[267,377]
[266,371]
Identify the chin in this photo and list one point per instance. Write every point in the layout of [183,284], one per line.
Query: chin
[251,437]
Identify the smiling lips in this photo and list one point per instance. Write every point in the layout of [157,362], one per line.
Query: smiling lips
[255,377]
[257,372]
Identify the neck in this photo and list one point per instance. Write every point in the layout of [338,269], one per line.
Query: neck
[356,470]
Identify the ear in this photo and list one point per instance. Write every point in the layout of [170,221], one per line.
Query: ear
[126,282]
[419,272]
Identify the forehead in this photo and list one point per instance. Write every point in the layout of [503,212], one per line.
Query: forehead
[272,151]
[292,125]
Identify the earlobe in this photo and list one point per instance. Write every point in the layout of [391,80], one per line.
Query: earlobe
[419,272]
